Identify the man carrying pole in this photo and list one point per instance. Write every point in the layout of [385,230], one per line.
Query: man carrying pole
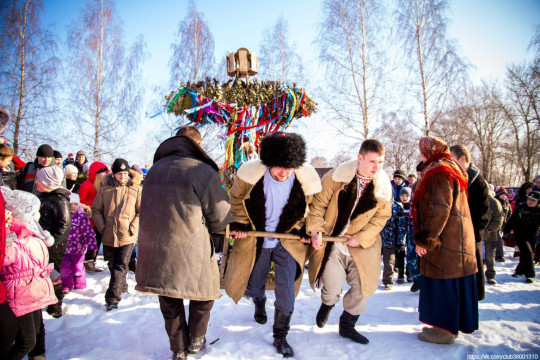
[271,194]
[356,202]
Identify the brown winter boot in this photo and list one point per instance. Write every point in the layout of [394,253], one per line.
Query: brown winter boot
[429,328]
[436,336]
[96,269]
[89,265]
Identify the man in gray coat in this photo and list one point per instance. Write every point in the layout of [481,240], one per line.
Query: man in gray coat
[182,203]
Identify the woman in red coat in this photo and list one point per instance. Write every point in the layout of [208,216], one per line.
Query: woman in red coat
[87,193]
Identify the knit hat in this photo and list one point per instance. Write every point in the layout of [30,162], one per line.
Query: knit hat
[45,151]
[70,169]
[70,155]
[57,154]
[137,168]
[534,195]
[420,166]
[501,190]
[24,207]
[405,190]
[81,152]
[51,177]
[74,198]
[120,165]
[4,119]
[400,174]
[287,150]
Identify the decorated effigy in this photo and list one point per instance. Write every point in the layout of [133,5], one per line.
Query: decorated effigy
[244,110]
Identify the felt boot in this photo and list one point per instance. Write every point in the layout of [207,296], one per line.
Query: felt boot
[346,328]
[323,314]
[260,310]
[437,336]
[281,328]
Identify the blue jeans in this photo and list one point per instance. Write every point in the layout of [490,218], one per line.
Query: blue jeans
[285,274]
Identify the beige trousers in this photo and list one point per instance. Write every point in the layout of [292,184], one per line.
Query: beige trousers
[338,269]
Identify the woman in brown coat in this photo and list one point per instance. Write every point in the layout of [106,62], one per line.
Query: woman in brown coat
[444,238]
[115,211]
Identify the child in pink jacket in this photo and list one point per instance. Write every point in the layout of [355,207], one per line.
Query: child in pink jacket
[26,273]
[80,239]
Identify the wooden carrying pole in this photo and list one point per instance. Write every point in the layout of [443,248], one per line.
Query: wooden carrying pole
[286,236]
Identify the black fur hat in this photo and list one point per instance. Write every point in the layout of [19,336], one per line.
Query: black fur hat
[286,150]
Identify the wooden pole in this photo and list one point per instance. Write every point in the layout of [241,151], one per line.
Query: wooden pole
[289,236]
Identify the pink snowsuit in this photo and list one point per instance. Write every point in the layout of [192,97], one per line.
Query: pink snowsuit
[25,273]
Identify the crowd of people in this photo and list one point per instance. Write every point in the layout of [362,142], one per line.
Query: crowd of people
[435,229]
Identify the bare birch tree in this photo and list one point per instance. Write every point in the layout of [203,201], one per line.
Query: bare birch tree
[28,71]
[482,122]
[277,58]
[401,143]
[350,49]
[104,76]
[521,108]
[193,51]
[434,65]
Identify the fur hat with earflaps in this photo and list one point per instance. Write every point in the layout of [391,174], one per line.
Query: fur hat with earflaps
[287,150]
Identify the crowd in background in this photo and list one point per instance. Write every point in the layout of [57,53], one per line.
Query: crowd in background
[60,212]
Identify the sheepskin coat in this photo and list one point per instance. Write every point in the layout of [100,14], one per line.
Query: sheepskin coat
[445,230]
[182,203]
[248,213]
[329,214]
[115,210]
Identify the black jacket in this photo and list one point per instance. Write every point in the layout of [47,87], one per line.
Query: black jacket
[9,177]
[525,221]
[73,185]
[478,201]
[56,215]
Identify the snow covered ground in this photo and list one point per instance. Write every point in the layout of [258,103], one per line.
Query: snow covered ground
[509,325]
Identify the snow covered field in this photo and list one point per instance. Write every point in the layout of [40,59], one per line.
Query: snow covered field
[509,325]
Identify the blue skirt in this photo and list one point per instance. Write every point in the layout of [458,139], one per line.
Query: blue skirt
[449,304]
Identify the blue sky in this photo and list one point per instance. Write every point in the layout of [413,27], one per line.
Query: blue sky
[490,34]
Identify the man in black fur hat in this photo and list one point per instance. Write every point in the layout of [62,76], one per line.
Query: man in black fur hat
[271,194]
[355,202]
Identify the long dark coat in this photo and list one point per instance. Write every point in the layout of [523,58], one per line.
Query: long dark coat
[182,203]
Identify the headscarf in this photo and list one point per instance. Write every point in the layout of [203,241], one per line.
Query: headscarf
[439,163]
